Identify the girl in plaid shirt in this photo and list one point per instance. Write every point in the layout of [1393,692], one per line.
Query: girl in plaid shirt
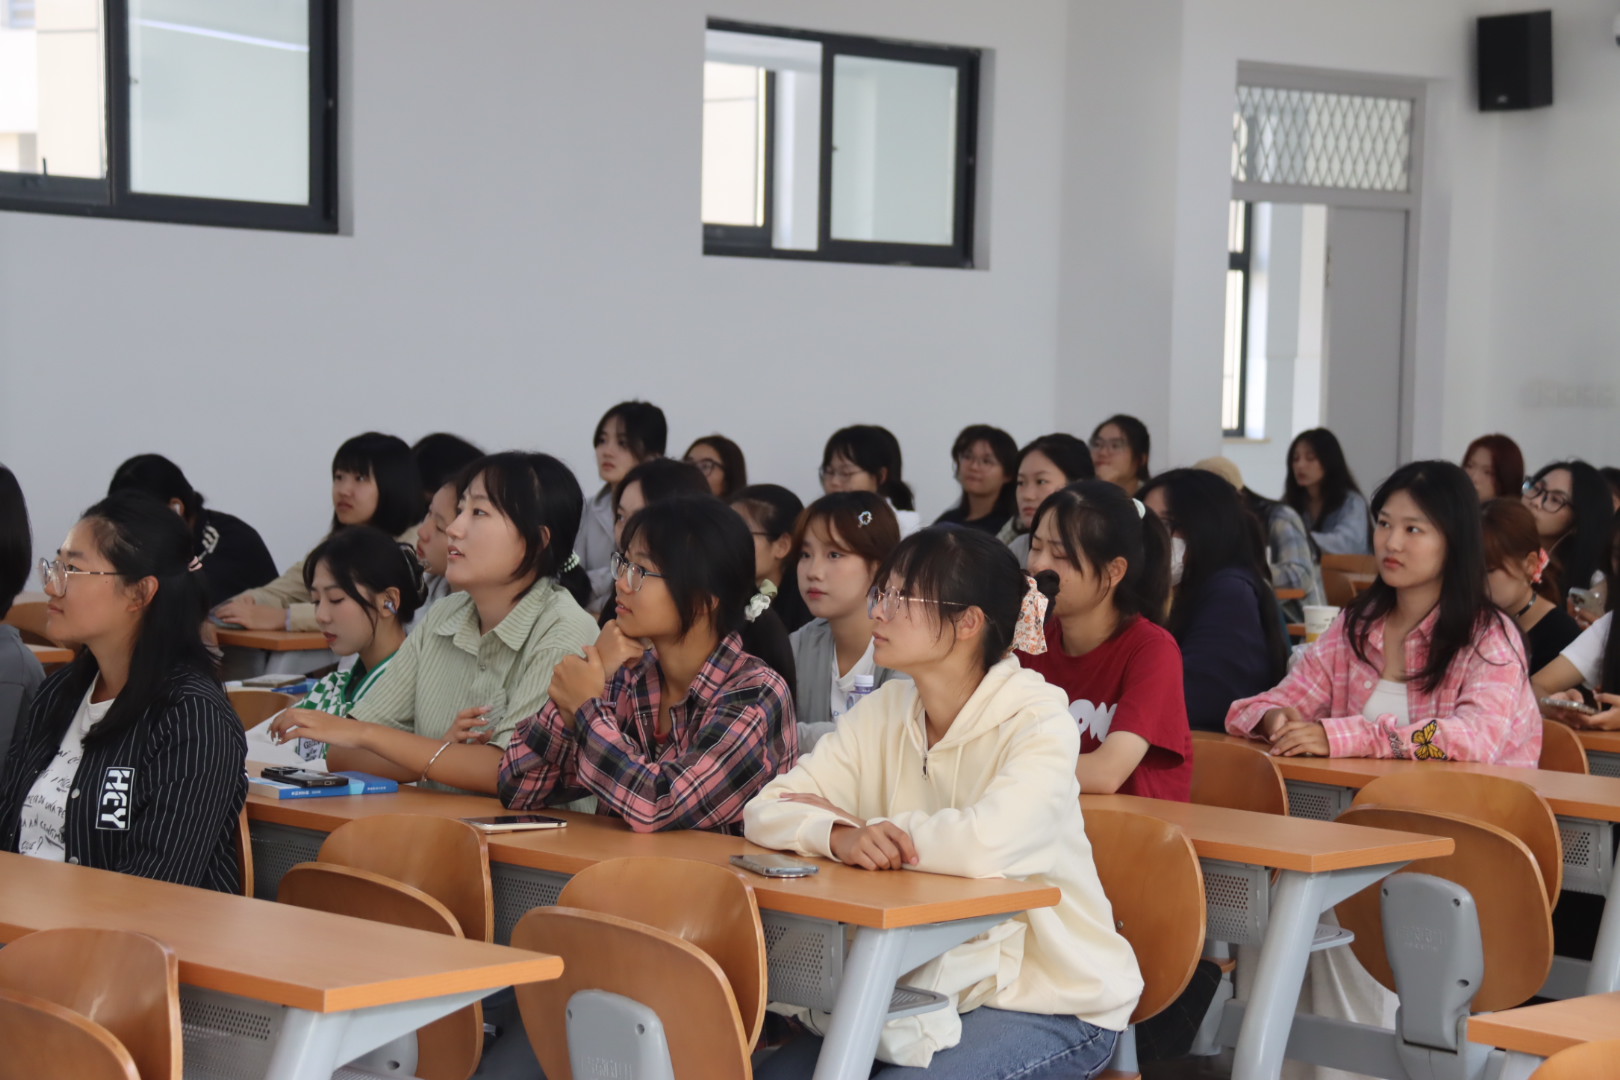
[1421,665]
[682,710]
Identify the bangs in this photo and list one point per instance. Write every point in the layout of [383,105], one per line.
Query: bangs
[352,459]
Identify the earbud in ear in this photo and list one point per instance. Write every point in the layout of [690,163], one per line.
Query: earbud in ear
[390,607]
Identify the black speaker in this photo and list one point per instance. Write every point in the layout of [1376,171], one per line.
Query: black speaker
[1515,61]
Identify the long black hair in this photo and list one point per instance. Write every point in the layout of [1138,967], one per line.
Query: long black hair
[646,432]
[959,569]
[142,538]
[875,450]
[1449,500]
[540,497]
[1337,480]
[440,457]
[162,479]
[366,557]
[1071,455]
[775,510]
[661,478]
[1221,534]
[389,462]
[1584,549]
[706,555]
[1099,521]
[1005,450]
[16,540]
[733,463]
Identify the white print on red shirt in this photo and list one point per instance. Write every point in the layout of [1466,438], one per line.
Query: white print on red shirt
[1094,720]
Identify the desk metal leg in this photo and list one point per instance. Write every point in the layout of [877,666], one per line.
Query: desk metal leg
[1604,975]
[309,1046]
[863,1005]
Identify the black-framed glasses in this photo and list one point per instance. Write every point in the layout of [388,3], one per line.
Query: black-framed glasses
[706,466]
[1113,446]
[54,574]
[886,603]
[846,474]
[634,575]
[1538,492]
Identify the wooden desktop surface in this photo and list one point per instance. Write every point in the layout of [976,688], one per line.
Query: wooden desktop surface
[1602,742]
[252,948]
[51,655]
[1545,1029]
[1286,843]
[271,640]
[1570,794]
[839,893]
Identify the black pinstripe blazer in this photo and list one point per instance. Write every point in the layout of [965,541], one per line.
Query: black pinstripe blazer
[160,801]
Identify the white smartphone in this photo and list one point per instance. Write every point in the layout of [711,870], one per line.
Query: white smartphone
[775,866]
[514,822]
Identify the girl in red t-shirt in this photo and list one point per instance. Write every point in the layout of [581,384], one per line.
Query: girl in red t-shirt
[1105,646]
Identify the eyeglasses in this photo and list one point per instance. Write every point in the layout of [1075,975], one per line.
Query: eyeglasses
[706,466]
[885,603]
[1551,501]
[1111,446]
[633,574]
[53,575]
[964,460]
[827,472]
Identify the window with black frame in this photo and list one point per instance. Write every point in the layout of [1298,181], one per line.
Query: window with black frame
[189,111]
[826,146]
[1235,356]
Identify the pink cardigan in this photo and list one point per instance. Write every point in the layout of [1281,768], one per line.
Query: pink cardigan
[1483,710]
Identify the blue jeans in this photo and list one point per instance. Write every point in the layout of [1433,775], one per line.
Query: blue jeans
[996,1045]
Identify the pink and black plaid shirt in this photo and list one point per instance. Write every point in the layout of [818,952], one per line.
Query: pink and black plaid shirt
[1483,710]
[732,733]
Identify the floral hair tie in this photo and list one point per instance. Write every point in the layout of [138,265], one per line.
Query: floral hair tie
[1542,559]
[1030,634]
[757,606]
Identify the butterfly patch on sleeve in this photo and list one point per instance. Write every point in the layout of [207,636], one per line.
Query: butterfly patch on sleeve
[1423,747]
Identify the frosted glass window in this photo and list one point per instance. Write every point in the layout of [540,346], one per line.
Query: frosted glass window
[894,151]
[734,144]
[219,99]
[52,95]
[1310,138]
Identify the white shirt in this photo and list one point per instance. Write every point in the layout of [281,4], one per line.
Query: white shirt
[908,520]
[843,686]
[45,809]
[1586,652]
[1388,699]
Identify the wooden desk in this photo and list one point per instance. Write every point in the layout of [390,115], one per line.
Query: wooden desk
[314,971]
[271,640]
[901,920]
[1535,1032]
[1289,594]
[272,652]
[51,657]
[1321,863]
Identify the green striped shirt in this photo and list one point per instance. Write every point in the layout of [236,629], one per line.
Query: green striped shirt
[446,666]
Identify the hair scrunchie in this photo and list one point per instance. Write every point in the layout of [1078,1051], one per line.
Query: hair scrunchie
[1030,634]
[1542,559]
[1141,507]
[757,606]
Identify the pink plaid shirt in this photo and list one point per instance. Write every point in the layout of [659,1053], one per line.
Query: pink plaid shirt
[1483,710]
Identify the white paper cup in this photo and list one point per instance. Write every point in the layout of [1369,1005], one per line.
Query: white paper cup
[1317,619]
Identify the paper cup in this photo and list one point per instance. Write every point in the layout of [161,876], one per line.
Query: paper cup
[1317,619]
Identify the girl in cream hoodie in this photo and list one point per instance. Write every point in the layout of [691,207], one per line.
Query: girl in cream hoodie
[967,769]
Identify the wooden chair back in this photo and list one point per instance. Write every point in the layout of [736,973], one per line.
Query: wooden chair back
[254,707]
[1588,1061]
[1150,872]
[717,912]
[42,1038]
[244,853]
[447,1049]
[443,857]
[125,982]
[1508,804]
[29,619]
[674,978]
[1561,749]
[1237,777]
[1515,919]
[1341,574]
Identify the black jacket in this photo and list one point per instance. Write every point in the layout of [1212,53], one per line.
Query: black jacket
[234,558]
[159,801]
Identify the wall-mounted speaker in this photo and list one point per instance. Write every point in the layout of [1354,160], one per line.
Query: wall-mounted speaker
[1515,61]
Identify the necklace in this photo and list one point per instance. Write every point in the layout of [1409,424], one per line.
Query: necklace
[1517,615]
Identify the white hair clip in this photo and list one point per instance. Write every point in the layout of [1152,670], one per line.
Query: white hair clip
[864,519]
[1141,510]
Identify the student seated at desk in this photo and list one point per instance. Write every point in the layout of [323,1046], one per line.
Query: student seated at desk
[1518,581]
[1118,668]
[20,670]
[1420,665]
[131,756]
[842,539]
[1044,465]
[770,511]
[1592,660]
[967,768]
[374,482]
[442,713]
[681,711]
[628,434]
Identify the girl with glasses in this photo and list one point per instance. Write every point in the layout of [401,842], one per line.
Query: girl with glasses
[842,539]
[1571,502]
[985,460]
[866,457]
[965,768]
[681,711]
[443,712]
[722,463]
[1119,452]
[130,758]
[1322,490]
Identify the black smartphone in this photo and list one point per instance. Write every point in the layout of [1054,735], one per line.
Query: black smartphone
[292,774]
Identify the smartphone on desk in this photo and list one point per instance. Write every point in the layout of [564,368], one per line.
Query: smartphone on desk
[292,774]
[514,822]
[1573,706]
[775,866]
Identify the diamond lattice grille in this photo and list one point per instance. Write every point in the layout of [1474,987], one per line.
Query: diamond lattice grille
[1313,139]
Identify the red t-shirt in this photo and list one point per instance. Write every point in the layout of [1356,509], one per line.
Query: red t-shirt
[1132,682]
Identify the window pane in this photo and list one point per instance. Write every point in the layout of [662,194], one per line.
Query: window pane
[52,101]
[1232,365]
[894,151]
[1311,138]
[733,144]
[219,99]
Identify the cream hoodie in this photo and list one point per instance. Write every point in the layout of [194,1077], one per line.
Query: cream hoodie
[996,797]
